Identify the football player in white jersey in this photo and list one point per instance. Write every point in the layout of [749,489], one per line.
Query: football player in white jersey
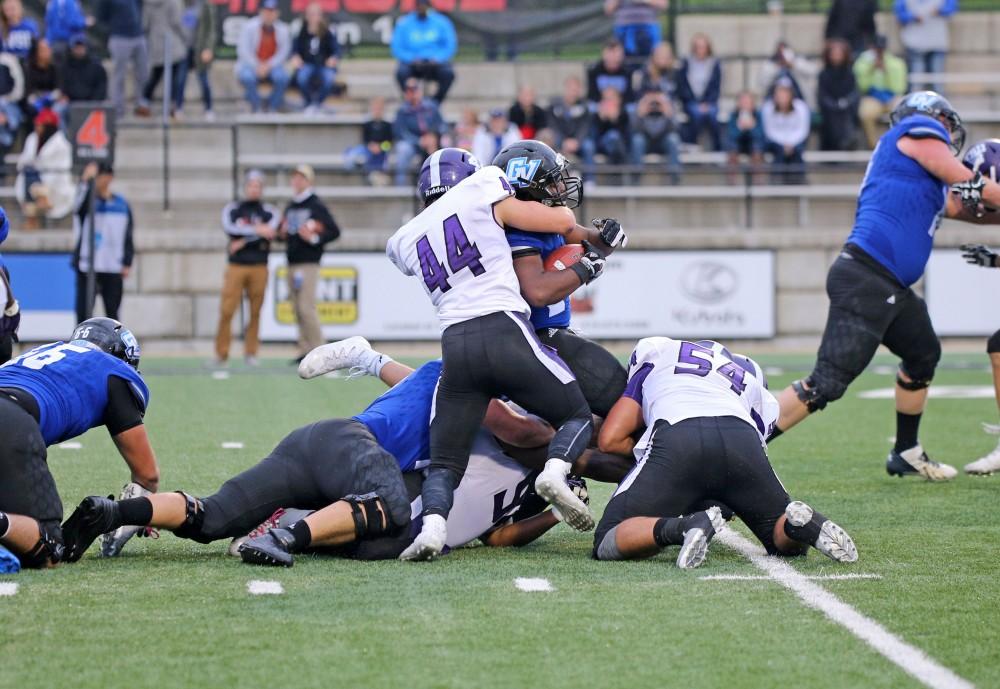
[706,414]
[458,248]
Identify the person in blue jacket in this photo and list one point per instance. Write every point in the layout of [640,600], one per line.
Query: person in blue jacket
[913,180]
[63,20]
[424,43]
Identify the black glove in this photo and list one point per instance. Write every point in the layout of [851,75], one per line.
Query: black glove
[611,232]
[979,255]
[971,192]
[590,266]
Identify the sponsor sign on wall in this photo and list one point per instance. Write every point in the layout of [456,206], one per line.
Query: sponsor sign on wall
[962,299]
[705,294]
[45,286]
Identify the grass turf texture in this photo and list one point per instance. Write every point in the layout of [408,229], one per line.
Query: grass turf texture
[172,613]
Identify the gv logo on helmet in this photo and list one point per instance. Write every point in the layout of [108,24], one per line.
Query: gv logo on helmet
[520,171]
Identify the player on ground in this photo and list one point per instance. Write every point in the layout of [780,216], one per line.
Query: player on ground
[984,158]
[488,346]
[706,413]
[54,393]
[532,167]
[903,197]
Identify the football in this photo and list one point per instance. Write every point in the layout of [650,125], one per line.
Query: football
[563,257]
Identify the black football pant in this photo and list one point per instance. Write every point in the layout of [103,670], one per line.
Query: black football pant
[109,285]
[601,376]
[497,355]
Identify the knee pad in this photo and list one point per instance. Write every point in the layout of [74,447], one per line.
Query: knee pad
[919,375]
[194,519]
[993,344]
[817,395]
[369,520]
[48,550]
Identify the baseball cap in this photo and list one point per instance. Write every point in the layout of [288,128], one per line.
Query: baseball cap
[254,176]
[497,112]
[306,171]
[78,39]
[269,5]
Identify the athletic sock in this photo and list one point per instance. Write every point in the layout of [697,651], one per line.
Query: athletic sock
[303,535]
[907,426]
[809,532]
[669,531]
[373,362]
[135,512]
[4,524]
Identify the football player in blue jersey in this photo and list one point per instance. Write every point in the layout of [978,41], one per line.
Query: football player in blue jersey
[54,393]
[984,158]
[912,181]
[531,167]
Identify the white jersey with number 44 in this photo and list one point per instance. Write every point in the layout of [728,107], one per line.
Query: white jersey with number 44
[675,380]
[460,253]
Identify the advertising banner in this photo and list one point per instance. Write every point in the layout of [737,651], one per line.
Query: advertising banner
[704,294]
[962,299]
[45,285]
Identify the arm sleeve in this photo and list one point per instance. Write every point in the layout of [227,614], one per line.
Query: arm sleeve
[902,12]
[125,408]
[450,39]
[331,230]
[400,42]
[275,220]
[129,252]
[948,8]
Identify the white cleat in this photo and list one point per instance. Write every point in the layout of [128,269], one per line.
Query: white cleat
[335,356]
[552,487]
[832,541]
[429,543]
[915,462]
[696,539]
[990,464]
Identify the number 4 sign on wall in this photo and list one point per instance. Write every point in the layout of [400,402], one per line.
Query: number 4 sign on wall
[92,131]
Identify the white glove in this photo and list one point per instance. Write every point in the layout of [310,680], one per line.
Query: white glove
[113,542]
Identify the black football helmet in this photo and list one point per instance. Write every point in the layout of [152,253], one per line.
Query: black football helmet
[109,336]
[538,173]
[934,105]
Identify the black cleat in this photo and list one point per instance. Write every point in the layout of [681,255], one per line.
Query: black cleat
[93,517]
[272,549]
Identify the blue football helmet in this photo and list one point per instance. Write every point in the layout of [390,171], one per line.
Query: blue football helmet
[934,105]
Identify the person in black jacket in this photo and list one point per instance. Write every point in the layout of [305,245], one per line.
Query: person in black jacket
[82,77]
[569,122]
[610,72]
[315,54]
[838,98]
[529,117]
[250,225]
[853,21]
[307,227]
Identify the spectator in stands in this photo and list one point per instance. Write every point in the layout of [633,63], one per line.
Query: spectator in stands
[199,28]
[127,46]
[924,33]
[745,132]
[307,227]
[854,22]
[637,24]
[786,122]
[113,251]
[10,122]
[250,225]
[163,21]
[44,185]
[314,58]
[838,98]
[497,133]
[465,129]
[785,64]
[570,123]
[424,43]
[659,74]
[264,46]
[81,78]
[19,32]
[11,78]
[699,84]
[610,72]
[416,130]
[610,132]
[41,79]
[63,20]
[529,117]
[372,155]
[654,130]
[881,78]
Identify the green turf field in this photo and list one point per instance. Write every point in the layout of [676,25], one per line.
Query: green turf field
[172,613]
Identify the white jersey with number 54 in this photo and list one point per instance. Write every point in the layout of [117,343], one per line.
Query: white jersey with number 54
[675,380]
[460,253]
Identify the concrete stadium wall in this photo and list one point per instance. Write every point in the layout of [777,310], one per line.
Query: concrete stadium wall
[173,290]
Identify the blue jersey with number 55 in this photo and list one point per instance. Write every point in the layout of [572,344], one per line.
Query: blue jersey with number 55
[526,243]
[69,381]
[901,203]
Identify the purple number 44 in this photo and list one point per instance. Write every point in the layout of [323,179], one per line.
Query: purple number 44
[459,251]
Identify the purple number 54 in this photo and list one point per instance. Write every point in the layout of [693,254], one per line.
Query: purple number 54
[700,358]
[459,251]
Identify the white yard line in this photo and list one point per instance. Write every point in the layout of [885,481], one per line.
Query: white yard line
[220,375]
[910,659]
[529,584]
[8,588]
[264,588]
[232,446]
[765,577]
